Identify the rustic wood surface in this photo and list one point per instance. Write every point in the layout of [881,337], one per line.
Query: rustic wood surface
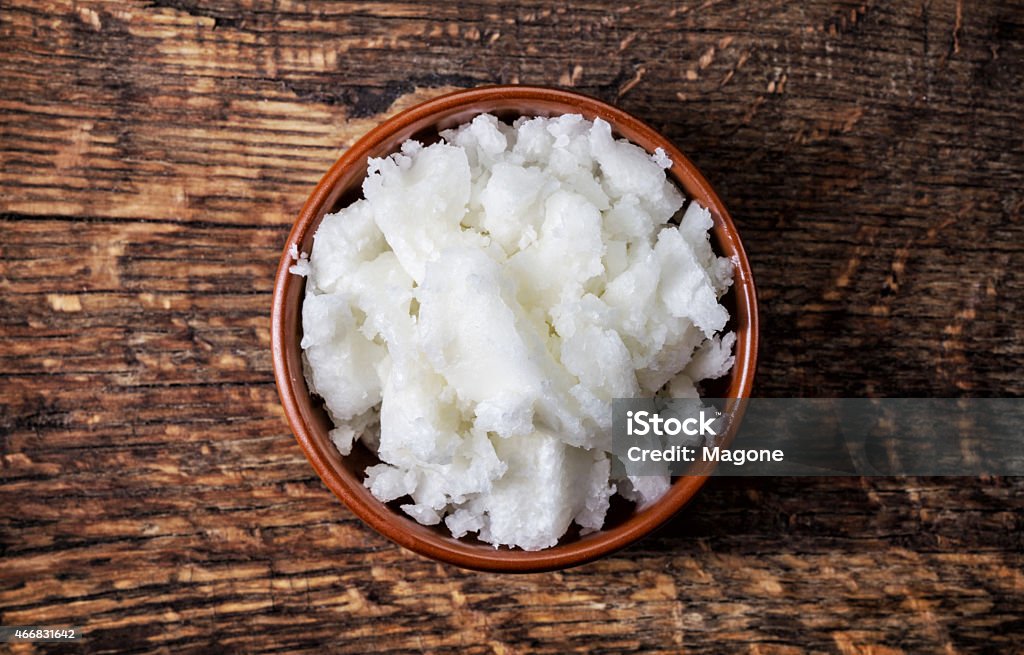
[154,154]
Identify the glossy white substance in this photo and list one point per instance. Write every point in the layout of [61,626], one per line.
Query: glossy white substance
[488,299]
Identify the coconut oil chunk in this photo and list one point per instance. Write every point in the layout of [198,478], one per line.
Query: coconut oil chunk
[471,318]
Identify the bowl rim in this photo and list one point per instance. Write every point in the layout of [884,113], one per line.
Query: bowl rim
[447,549]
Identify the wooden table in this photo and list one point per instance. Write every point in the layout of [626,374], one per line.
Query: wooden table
[154,154]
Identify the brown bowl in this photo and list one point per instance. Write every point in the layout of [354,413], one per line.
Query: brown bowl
[344,475]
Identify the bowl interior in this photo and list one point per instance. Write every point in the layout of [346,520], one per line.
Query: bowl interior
[344,475]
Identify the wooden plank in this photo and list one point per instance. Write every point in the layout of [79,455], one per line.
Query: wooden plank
[154,154]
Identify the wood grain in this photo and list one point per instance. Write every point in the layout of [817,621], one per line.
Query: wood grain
[154,154]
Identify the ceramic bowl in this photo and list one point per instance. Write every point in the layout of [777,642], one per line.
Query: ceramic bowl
[344,475]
